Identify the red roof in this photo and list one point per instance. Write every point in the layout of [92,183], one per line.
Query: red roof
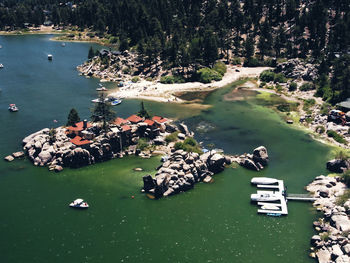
[77,140]
[149,122]
[159,119]
[119,121]
[134,119]
[78,126]
[126,128]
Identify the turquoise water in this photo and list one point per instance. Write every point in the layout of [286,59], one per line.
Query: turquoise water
[212,223]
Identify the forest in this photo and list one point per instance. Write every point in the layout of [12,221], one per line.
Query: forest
[188,33]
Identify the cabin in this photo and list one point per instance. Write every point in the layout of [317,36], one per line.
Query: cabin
[134,119]
[80,142]
[120,121]
[77,128]
[150,123]
[159,120]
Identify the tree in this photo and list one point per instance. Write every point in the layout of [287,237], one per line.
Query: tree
[91,53]
[210,48]
[73,117]
[249,47]
[143,112]
[103,112]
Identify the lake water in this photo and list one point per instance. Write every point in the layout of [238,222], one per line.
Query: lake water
[211,223]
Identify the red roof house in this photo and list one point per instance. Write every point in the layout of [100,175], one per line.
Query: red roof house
[78,141]
[159,119]
[134,119]
[126,128]
[149,122]
[79,126]
[119,121]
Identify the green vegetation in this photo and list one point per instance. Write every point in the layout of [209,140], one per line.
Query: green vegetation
[102,111]
[346,178]
[207,75]
[279,78]
[135,79]
[172,137]
[142,144]
[341,154]
[143,112]
[307,86]
[172,79]
[292,86]
[308,104]
[52,135]
[324,236]
[188,145]
[343,198]
[325,108]
[267,76]
[337,137]
[73,117]
[220,67]
[320,129]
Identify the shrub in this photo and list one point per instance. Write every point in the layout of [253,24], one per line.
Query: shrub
[142,144]
[341,154]
[236,61]
[279,88]
[172,137]
[188,145]
[149,79]
[293,86]
[262,84]
[320,129]
[337,137]
[267,76]
[113,40]
[307,86]
[308,103]
[167,80]
[135,79]
[280,78]
[346,178]
[325,107]
[220,67]
[252,62]
[207,75]
[126,70]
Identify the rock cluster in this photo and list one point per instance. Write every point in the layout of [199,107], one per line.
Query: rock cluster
[182,170]
[338,165]
[256,161]
[61,152]
[298,69]
[332,243]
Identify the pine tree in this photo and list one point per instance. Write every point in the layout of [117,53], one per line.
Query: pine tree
[91,53]
[73,117]
[103,112]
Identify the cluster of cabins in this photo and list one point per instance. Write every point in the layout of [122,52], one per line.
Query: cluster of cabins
[82,133]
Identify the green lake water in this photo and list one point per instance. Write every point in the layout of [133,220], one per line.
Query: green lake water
[211,223]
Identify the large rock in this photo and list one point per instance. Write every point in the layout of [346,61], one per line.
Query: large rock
[323,256]
[45,157]
[148,183]
[248,163]
[77,158]
[342,259]
[184,129]
[216,163]
[338,165]
[341,222]
[9,158]
[260,155]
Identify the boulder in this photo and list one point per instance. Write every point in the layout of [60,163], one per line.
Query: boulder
[216,163]
[58,168]
[9,158]
[45,157]
[260,155]
[315,239]
[336,251]
[77,158]
[184,129]
[323,256]
[338,165]
[341,222]
[181,136]
[18,154]
[248,163]
[346,249]
[148,183]
[342,259]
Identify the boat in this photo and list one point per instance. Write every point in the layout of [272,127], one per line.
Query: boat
[265,196]
[49,57]
[116,102]
[101,89]
[1,65]
[79,203]
[13,107]
[98,100]
[274,214]
[164,158]
[63,44]
[270,207]
[263,180]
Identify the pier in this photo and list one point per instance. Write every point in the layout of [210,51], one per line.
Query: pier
[272,198]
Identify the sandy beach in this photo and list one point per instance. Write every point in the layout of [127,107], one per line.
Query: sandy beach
[165,92]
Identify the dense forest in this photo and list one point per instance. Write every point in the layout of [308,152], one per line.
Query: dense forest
[191,32]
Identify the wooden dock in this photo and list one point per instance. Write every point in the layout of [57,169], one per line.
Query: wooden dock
[301,197]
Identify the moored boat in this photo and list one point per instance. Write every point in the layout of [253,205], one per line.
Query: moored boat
[13,108]
[116,102]
[270,207]
[1,65]
[49,57]
[265,197]
[79,203]
[263,180]
[101,89]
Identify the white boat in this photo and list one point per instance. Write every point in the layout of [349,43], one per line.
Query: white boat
[116,102]
[270,207]
[49,57]
[13,108]
[101,89]
[79,203]
[1,65]
[265,197]
[98,100]
[263,180]
[63,44]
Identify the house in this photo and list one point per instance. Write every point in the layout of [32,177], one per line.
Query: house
[120,121]
[134,119]
[78,127]
[150,123]
[126,128]
[159,120]
[78,141]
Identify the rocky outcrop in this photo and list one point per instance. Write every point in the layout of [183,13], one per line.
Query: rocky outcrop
[181,171]
[332,243]
[298,69]
[77,158]
[256,161]
[338,165]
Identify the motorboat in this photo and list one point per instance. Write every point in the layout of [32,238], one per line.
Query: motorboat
[116,102]
[63,44]
[13,108]
[270,207]
[49,57]
[79,203]
[98,100]
[265,197]
[1,65]
[263,180]
[101,89]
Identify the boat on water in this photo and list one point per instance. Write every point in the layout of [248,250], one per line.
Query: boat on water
[270,207]
[63,44]
[1,65]
[98,100]
[13,108]
[49,57]
[79,203]
[101,89]
[265,197]
[116,102]
[263,180]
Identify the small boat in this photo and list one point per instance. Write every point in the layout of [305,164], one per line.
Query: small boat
[263,180]
[262,197]
[1,65]
[164,158]
[0,46]
[270,207]
[13,108]
[98,100]
[274,214]
[116,102]
[79,203]
[49,57]
[101,89]
[63,44]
